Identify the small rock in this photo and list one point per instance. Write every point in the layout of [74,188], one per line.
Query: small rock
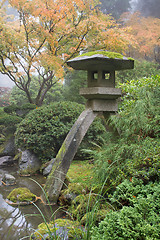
[47,170]
[8,179]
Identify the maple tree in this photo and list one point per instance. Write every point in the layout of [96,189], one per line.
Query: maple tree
[47,34]
[146,31]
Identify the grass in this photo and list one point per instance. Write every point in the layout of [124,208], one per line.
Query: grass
[81,172]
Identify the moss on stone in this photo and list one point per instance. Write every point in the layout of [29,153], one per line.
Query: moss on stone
[105,53]
[21,195]
[2,140]
[43,228]
[73,228]
[1,149]
[76,188]
[66,223]
[17,156]
[28,171]
[56,164]
[82,204]
[96,216]
[58,228]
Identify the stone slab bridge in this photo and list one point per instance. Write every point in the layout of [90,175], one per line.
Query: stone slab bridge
[101,96]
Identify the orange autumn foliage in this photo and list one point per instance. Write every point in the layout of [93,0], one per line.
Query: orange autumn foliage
[146,32]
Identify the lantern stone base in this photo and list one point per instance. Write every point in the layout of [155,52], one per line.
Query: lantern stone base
[102,105]
[100,93]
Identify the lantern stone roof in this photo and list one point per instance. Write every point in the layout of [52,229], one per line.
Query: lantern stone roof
[101,60]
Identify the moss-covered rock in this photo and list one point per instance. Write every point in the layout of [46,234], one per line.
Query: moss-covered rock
[82,204]
[76,188]
[44,229]
[21,195]
[63,228]
[2,139]
[94,216]
[71,192]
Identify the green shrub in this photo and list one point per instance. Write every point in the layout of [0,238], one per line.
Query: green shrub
[11,115]
[8,120]
[8,123]
[139,113]
[44,129]
[19,110]
[140,220]
[132,192]
[120,159]
[129,223]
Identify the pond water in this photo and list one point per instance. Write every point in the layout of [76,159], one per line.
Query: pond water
[17,222]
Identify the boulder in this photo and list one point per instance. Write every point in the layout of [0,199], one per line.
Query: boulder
[8,147]
[8,179]
[29,163]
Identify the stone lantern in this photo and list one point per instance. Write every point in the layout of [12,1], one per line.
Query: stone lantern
[101,93]
[101,96]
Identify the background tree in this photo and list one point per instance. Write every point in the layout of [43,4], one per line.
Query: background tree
[142,69]
[146,31]
[114,7]
[46,35]
[18,97]
[73,82]
[148,7]
[4,96]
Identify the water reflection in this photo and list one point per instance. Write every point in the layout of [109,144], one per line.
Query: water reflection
[17,222]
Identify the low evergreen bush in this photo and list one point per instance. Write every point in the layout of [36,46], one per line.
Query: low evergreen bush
[138,217]
[8,122]
[19,110]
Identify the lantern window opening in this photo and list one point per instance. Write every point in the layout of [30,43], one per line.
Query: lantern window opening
[106,75]
[95,75]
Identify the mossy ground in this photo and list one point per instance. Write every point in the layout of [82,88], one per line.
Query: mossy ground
[84,186]
[81,172]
